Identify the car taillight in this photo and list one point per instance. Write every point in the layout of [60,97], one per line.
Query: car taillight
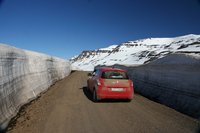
[132,83]
[98,82]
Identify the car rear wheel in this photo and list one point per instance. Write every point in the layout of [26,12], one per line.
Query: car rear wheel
[87,88]
[95,96]
[128,100]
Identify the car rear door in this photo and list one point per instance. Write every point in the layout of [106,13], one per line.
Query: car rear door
[92,80]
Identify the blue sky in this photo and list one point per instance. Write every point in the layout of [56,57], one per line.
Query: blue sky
[64,28]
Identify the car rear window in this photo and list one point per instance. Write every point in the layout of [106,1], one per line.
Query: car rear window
[114,75]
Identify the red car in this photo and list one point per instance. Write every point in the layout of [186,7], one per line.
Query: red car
[110,83]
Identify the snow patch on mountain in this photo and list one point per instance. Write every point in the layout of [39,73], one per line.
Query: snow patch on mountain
[109,48]
[136,52]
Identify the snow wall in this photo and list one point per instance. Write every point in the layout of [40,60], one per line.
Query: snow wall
[23,76]
[173,81]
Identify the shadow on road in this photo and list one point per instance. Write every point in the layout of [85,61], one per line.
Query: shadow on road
[88,94]
[198,130]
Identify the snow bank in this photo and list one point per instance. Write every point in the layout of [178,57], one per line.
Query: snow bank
[173,80]
[24,75]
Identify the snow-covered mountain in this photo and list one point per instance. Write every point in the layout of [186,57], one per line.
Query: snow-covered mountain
[136,52]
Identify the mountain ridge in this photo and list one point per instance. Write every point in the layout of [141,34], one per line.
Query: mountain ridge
[136,52]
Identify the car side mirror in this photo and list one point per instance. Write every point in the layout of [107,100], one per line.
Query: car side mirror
[89,75]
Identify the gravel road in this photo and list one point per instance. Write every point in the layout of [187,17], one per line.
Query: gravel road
[67,108]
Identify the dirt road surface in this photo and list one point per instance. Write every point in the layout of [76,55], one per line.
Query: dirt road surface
[67,108]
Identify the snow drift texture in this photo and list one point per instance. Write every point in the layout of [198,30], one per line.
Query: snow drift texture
[173,80]
[24,75]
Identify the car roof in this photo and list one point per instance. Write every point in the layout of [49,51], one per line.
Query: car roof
[110,69]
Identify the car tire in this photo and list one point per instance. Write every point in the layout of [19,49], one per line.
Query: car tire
[128,100]
[95,96]
[87,88]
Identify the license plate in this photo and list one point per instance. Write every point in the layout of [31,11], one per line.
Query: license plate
[117,89]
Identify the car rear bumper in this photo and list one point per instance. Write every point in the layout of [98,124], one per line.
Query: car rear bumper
[108,94]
